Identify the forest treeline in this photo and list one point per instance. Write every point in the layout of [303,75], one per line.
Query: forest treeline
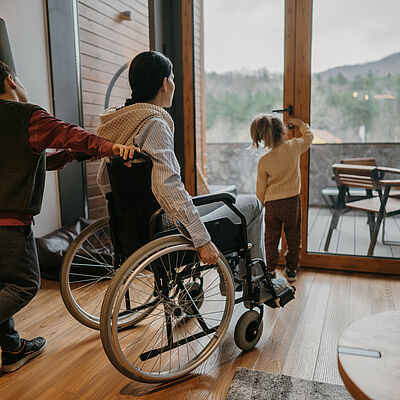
[343,99]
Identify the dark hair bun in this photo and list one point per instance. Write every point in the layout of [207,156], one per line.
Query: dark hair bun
[146,74]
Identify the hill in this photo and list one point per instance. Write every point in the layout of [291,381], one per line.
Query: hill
[344,100]
[382,67]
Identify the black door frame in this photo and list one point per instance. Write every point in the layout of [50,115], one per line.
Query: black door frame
[67,99]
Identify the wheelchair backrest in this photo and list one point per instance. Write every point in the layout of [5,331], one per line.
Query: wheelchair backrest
[131,204]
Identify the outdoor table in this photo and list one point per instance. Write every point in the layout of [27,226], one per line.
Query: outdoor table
[369,357]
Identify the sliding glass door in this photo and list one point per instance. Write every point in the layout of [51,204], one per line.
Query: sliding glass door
[349,91]
[354,113]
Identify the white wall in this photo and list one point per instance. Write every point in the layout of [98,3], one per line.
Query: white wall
[27,32]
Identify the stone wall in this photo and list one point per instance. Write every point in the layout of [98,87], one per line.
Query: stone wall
[232,163]
[236,163]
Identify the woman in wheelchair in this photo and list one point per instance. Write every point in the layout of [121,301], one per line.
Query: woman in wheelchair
[171,299]
[144,121]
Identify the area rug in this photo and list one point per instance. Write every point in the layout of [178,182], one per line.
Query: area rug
[248,384]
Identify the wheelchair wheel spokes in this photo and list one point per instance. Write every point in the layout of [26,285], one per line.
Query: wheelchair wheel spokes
[87,269]
[183,328]
[139,300]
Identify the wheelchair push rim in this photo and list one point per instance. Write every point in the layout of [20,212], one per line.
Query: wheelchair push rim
[172,339]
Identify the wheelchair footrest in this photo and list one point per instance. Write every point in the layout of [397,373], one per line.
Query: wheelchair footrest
[284,297]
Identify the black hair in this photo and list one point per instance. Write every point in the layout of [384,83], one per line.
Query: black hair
[5,70]
[146,74]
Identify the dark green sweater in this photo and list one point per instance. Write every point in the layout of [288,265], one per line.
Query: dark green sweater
[22,171]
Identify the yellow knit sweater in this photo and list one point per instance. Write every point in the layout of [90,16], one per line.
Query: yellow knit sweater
[278,175]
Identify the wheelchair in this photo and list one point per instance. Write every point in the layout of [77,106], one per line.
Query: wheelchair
[164,312]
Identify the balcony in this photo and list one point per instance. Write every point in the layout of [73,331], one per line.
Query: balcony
[236,163]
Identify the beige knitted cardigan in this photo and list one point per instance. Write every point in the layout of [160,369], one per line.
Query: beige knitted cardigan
[123,124]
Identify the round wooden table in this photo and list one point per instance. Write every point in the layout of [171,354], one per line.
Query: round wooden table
[369,357]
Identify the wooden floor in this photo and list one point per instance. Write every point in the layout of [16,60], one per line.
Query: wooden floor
[299,340]
[352,234]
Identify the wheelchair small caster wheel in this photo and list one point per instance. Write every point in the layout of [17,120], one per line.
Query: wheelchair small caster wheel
[195,290]
[248,330]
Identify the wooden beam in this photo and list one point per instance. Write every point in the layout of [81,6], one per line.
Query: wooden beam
[350,263]
[302,97]
[188,96]
[290,46]
[289,78]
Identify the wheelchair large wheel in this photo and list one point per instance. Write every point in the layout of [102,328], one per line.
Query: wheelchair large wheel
[194,308]
[87,269]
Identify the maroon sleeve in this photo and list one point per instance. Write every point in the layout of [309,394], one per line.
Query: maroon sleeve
[48,132]
[58,159]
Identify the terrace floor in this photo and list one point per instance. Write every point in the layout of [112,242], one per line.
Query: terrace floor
[352,234]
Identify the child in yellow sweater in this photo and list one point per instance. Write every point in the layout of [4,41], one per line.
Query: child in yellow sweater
[278,186]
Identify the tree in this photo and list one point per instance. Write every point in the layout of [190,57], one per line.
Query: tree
[341,80]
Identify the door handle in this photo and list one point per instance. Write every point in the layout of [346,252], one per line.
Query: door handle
[289,110]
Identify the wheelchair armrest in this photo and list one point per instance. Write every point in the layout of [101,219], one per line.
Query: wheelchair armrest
[229,201]
[213,198]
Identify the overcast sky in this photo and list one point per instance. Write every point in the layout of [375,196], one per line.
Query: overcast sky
[249,33]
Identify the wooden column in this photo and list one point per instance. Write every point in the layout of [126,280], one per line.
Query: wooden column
[302,95]
[188,96]
[171,32]
[289,79]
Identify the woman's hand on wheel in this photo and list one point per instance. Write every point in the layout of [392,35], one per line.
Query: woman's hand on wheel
[208,254]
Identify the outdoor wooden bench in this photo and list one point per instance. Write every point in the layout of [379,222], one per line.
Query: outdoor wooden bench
[369,178]
[329,194]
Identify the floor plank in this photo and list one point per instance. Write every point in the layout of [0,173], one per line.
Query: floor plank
[336,320]
[351,237]
[277,346]
[360,296]
[318,230]
[307,332]
[381,294]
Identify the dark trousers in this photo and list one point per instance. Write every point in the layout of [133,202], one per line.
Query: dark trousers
[286,213]
[19,279]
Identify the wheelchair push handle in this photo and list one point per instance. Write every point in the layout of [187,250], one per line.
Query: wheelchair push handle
[83,156]
[136,156]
